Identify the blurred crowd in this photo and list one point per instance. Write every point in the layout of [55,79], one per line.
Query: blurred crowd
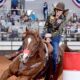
[73,27]
[15,24]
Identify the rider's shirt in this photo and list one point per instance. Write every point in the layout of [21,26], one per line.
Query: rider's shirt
[54,26]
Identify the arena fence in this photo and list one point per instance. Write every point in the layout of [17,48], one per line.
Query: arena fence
[71,66]
[13,40]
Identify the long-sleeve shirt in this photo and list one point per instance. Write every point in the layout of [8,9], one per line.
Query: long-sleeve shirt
[53,26]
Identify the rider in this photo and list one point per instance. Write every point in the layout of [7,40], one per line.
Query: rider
[54,27]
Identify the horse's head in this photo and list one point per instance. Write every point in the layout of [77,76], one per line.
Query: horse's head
[31,43]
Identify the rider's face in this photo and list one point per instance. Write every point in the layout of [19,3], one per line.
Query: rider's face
[58,13]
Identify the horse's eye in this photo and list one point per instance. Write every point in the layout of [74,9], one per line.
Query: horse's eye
[27,58]
[21,56]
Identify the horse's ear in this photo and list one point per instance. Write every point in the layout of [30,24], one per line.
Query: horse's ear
[27,29]
[37,33]
[26,32]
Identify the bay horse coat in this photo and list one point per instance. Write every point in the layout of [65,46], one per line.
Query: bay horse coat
[35,63]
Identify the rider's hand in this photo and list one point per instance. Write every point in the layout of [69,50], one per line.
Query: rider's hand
[49,35]
[48,40]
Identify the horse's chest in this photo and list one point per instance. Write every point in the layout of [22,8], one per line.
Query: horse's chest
[30,64]
[27,65]
[22,67]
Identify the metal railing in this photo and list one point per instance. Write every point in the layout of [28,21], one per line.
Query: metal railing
[5,36]
[13,40]
[16,34]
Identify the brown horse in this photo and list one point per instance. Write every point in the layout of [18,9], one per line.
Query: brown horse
[31,61]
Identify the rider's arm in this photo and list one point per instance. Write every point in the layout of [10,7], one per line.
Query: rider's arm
[46,26]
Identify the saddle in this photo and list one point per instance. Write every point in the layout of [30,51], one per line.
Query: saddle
[47,70]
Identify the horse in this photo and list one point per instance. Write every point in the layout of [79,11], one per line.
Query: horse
[28,64]
[32,60]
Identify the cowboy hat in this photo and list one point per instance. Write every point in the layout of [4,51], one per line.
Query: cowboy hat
[60,6]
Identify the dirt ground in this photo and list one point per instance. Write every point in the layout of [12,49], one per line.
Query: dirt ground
[4,64]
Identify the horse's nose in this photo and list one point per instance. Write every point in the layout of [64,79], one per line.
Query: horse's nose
[26,59]
[23,61]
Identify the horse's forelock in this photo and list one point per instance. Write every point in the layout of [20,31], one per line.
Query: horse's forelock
[35,34]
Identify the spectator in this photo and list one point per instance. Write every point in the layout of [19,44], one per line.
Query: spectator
[33,16]
[45,10]
[15,17]
[74,28]
[74,18]
[68,27]
[12,21]
[2,28]
[14,5]
[8,17]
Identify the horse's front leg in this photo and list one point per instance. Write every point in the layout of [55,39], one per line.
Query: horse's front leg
[14,66]
[24,78]
[6,74]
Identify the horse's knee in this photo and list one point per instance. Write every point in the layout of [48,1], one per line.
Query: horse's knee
[14,66]
[12,78]
[6,74]
[23,78]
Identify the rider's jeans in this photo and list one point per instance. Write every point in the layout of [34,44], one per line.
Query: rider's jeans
[55,54]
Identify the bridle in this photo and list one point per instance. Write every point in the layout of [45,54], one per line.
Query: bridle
[34,51]
[35,48]
[32,54]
